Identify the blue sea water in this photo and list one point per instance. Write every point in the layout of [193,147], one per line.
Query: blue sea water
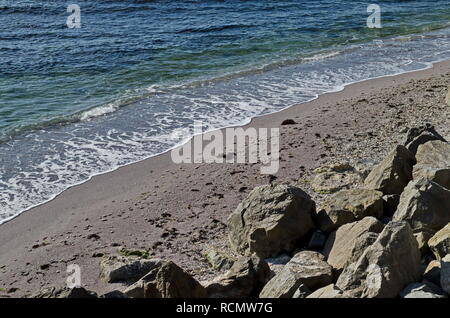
[78,102]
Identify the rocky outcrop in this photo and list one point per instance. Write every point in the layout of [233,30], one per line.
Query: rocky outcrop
[393,173]
[386,267]
[348,206]
[124,269]
[270,220]
[307,268]
[166,281]
[245,278]
[348,243]
[433,162]
[440,242]
[419,135]
[425,205]
[330,179]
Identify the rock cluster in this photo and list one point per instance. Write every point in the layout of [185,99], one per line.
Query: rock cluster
[388,237]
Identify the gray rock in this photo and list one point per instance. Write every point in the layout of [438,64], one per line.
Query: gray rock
[246,278]
[123,269]
[166,281]
[393,173]
[419,135]
[425,205]
[114,294]
[276,264]
[302,292]
[330,179]
[348,243]
[433,162]
[420,290]
[445,274]
[76,292]
[270,220]
[307,268]
[386,267]
[218,259]
[329,291]
[348,206]
[440,242]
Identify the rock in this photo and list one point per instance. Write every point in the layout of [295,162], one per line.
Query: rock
[329,291]
[432,272]
[276,264]
[288,122]
[114,294]
[385,267]
[317,241]
[447,97]
[348,243]
[433,162]
[123,269]
[301,292]
[419,135]
[245,278]
[393,173]
[420,290]
[425,205]
[390,204]
[445,274]
[307,268]
[76,292]
[331,179]
[166,280]
[348,206]
[218,259]
[270,220]
[440,242]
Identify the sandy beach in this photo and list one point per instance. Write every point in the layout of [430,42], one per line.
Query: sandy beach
[176,211]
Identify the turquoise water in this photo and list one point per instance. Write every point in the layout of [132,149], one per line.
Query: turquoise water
[125,86]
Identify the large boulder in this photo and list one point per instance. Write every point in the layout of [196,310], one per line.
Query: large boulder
[124,269]
[348,206]
[425,205]
[421,290]
[386,267]
[419,135]
[166,281]
[433,162]
[307,268]
[393,173]
[445,274]
[348,243]
[245,278]
[440,242]
[270,220]
[330,179]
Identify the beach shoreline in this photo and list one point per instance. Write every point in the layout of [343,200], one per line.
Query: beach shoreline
[175,211]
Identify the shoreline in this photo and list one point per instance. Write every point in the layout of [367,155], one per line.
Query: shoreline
[123,207]
[244,123]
